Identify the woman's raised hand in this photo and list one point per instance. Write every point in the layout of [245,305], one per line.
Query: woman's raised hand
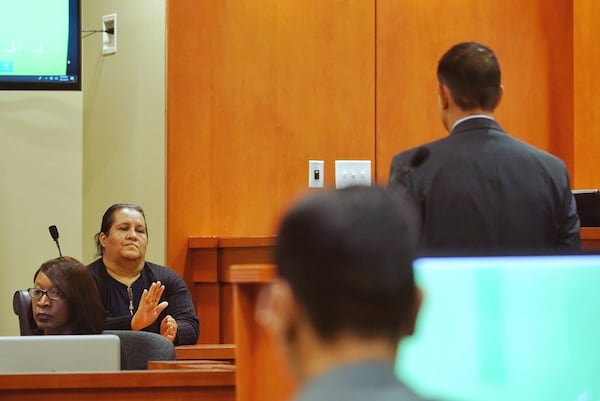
[149,309]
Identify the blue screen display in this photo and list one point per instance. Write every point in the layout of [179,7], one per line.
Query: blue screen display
[506,328]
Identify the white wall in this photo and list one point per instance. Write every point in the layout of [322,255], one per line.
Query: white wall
[40,185]
[124,118]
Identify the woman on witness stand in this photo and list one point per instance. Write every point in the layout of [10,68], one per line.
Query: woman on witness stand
[65,299]
[137,294]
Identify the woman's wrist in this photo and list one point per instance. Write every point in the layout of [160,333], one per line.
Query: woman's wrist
[135,325]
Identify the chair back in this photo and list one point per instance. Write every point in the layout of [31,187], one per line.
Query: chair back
[22,308]
[139,347]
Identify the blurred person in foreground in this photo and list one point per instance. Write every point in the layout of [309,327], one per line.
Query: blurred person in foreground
[345,295]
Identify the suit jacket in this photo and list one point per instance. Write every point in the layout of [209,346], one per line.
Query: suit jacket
[482,190]
[370,380]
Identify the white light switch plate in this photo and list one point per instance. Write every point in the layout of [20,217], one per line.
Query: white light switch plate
[316,173]
[352,172]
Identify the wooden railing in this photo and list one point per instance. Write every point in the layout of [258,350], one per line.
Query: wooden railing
[208,277]
[262,372]
[228,275]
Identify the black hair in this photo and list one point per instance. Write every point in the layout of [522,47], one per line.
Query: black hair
[80,293]
[109,218]
[347,255]
[472,73]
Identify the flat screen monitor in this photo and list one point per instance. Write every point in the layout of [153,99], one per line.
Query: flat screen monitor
[506,328]
[40,45]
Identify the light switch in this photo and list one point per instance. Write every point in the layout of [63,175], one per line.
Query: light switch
[316,173]
[352,172]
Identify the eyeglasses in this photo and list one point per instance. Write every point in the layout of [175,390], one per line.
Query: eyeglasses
[52,293]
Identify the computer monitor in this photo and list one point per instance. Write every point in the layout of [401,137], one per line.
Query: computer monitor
[506,328]
[40,45]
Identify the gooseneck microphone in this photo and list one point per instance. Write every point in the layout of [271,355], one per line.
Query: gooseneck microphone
[54,234]
[418,158]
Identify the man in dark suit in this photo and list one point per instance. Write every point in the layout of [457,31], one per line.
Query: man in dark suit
[481,190]
[345,295]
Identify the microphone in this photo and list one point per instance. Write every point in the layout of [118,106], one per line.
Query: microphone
[418,158]
[54,234]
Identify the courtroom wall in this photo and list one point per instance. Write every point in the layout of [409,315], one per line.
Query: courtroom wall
[534,47]
[65,157]
[40,185]
[256,89]
[124,118]
[586,93]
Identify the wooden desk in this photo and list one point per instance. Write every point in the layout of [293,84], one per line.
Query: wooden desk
[590,238]
[164,385]
[262,372]
[197,364]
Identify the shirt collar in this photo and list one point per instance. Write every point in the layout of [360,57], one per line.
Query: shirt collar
[470,117]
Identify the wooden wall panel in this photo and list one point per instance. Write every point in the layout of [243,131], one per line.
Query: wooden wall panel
[533,42]
[587,93]
[255,90]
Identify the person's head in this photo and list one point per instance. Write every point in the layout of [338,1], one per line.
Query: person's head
[346,258]
[123,233]
[65,298]
[469,75]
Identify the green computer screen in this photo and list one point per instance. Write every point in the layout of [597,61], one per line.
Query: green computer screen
[36,43]
[506,328]
[40,44]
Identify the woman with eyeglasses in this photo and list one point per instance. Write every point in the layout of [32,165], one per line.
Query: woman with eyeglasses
[65,299]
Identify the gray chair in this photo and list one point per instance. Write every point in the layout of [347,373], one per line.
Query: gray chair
[139,347]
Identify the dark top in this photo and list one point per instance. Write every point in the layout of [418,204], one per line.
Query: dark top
[369,380]
[482,190]
[115,297]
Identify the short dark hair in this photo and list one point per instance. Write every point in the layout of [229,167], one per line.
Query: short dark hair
[472,73]
[109,218]
[80,293]
[347,255]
